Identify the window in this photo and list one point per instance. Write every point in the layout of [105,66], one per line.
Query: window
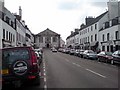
[108,36]
[103,37]
[80,41]
[88,38]
[41,39]
[95,37]
[103,48]
[115,21]
[95,26]
[88,29]
[91,28]
[13,38]
[3,15]
[108,48]
[91,38]
[12,23]
[3,33]
[7,19]
[116,35]
[107,24]
[55,39]
[9,36]
[6,35]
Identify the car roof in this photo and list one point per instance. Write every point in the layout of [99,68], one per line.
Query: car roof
[17,48]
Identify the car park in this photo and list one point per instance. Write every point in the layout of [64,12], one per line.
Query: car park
[89,54]
[105,56]
[19,65]
[116,57]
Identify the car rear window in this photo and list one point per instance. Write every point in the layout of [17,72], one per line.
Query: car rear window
[13,55]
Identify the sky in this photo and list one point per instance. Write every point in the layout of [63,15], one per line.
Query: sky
[60,16]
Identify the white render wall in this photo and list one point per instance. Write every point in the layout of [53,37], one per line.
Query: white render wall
[1,33]
[9,29]
[111,31]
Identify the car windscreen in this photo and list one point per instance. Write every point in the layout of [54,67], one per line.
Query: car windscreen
[109,53]
[9,56]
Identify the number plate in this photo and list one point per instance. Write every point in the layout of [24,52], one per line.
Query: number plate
[5,71]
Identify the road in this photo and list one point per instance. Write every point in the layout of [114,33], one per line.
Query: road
[60,70]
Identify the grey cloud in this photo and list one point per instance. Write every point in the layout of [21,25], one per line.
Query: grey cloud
[68,5]
[99,4]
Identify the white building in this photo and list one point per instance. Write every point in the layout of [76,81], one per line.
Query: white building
[8,29]
[47,39]
[72,41]
[91,33]
[13,30]
[109,35]
[62,43]
[29,37]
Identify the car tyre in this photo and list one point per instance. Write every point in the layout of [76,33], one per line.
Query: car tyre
[37,81]
[112,62]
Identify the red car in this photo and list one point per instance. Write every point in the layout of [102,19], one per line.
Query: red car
[105,56]
[19,64]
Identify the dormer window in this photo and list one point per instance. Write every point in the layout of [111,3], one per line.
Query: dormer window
[114,21]
[7,20]
[103,25]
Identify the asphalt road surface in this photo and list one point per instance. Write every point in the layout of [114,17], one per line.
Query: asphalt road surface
[60,70]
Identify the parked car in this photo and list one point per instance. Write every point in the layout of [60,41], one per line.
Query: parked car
[89,54]
[54,50]
[76,52]
[39,57]
[19,64]
[72,51]
[105,56]
[80,54]
[116,57]
[67,51]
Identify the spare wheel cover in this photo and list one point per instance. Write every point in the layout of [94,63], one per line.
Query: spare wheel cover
[20,67]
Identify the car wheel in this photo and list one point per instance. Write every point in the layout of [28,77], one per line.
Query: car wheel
[37,81]
[98,59]
[112,62]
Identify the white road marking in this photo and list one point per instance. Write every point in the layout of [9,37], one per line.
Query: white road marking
[67,60]
[44,70]
[78,65]
[45,87]
[45,79]
[44,74]
[96,73]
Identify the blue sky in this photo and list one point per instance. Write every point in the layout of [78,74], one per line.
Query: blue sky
[61,16]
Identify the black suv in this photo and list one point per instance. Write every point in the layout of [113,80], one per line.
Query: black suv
[19,64]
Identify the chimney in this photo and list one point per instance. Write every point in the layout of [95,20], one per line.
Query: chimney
[76,30]
[72,32]
[88,19]
[20,12]
[1,5]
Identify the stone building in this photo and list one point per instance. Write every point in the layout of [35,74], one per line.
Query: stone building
[47,39]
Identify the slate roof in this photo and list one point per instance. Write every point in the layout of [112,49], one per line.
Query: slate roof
[94,20]
[89,24]
[48,30]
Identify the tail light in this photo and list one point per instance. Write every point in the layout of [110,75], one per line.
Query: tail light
[34,58]
[34,63]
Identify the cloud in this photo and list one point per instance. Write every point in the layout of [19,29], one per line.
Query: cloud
[68,5]
[98,4]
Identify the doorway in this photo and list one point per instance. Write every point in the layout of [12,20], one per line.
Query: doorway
[48,45]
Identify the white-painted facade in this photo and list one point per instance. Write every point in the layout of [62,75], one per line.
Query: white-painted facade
[91,33]
[12,30]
